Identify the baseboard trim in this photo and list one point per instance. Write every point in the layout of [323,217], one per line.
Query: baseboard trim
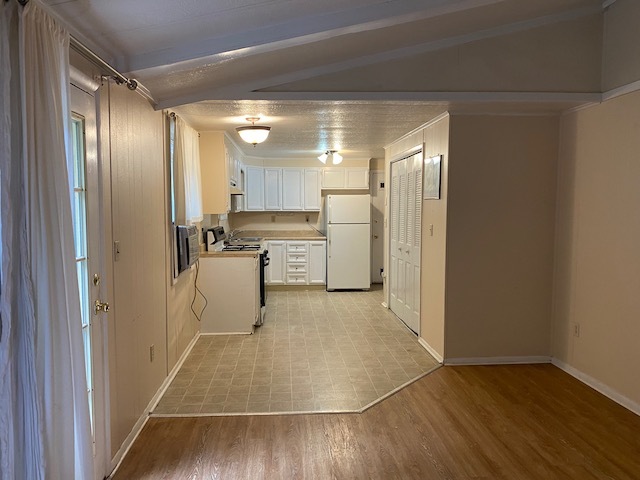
[215,334]
[497,360]
[598,386]
[430,349]
[139,425]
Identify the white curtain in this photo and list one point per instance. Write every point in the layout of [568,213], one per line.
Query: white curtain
[187,174]
[44,414]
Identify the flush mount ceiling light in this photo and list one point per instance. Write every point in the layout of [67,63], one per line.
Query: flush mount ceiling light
[336,158]
[253,133]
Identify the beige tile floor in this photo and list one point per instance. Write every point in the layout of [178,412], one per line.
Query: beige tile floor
[316,352]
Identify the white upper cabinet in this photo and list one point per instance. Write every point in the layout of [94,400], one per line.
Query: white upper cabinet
[312,197]
[273,189]
[356,177]
[345,178]
[333,178]
[292,189]
[288,188]
[254,189]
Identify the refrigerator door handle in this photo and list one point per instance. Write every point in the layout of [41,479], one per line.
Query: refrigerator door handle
[329,241]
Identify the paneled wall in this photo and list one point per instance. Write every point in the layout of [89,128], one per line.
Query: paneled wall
[139,214]
[435,139]
[598,232]
[434,247]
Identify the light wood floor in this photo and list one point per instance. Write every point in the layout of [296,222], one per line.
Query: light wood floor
[499,422]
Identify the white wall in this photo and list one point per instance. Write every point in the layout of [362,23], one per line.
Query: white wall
[274,220]
[500,235]
[621,44]
[561,57]
[598,232]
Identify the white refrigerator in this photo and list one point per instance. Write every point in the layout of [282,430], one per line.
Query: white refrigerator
[348,242]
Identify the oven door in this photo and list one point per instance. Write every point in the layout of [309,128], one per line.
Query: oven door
[264,262]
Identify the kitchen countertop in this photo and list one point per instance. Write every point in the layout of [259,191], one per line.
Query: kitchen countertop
[282,234]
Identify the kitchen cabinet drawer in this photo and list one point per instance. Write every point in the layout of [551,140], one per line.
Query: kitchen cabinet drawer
[296,247]
[296,268]
[295,278]
[296,258]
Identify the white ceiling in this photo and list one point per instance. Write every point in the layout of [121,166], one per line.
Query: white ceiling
[234,56]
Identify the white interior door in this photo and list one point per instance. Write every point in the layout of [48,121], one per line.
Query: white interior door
[405,239]
[88,235]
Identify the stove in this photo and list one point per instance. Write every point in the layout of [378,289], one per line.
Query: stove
[240,248]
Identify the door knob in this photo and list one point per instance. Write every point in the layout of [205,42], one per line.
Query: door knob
[100,307]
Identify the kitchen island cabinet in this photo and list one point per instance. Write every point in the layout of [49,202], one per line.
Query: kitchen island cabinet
[231,285]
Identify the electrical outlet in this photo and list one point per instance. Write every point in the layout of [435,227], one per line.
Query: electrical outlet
[576,329]
[152,352]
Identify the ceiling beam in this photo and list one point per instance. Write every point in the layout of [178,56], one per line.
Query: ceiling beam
[250,89]
[299,32]
[435,98]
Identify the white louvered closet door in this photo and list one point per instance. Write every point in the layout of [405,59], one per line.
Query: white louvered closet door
[406,224]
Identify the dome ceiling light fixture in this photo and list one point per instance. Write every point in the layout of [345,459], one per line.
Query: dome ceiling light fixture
[336,158]
[253,133]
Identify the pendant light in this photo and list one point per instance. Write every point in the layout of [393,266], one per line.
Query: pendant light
[336,158]
[253,133]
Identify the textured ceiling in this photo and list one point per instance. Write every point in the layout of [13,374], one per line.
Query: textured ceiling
[218,61]
[358,129]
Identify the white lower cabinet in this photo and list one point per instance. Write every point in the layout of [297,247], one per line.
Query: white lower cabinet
[276,269]
[297,259]
[318,262]
[297,262]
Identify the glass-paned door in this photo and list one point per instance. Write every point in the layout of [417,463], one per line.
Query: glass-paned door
[90,261]
[80,237]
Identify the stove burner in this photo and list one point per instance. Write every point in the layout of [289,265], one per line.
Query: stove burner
[237,248]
